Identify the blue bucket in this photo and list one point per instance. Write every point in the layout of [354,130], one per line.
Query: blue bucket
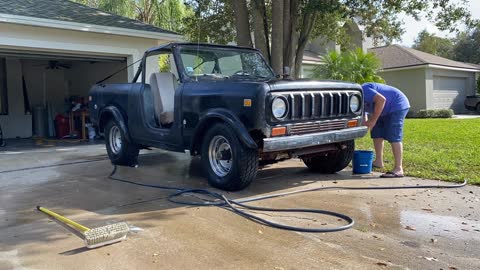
[362,161]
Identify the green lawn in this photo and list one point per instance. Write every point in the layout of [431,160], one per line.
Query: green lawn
[443,149]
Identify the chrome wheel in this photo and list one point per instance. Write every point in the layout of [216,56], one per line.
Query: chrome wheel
[220,155]
[115,139]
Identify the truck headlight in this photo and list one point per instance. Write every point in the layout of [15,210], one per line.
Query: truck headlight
[355,103]
[279,107]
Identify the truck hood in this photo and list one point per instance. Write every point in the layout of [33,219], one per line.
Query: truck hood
[303,84]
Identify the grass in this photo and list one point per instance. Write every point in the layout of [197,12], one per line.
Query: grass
[440,149]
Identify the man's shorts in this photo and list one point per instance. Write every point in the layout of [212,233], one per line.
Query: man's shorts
[390,126]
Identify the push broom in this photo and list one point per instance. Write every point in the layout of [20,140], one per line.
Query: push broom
[95,237]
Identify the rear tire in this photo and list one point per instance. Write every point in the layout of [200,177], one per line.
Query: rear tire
[120,151]
[478,108]
[331,162]
[227,162]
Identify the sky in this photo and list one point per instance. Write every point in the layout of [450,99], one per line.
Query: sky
[412,27]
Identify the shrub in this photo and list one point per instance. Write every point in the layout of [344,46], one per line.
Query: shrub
[354,66]
[440,113]
[411,114]
[444,113]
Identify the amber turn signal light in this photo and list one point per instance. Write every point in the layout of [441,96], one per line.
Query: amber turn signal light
[279,131]
[352,123]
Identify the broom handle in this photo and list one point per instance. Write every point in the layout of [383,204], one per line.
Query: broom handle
[70,222]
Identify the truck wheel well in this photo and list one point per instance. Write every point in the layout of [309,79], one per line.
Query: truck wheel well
[256,135]
[197,140]
[104,119]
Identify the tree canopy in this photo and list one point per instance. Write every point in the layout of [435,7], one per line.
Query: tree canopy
[167,14]
[467,45]
[432,44]
[281,29]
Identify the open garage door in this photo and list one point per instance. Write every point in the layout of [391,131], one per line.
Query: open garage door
[449,93]
[50,84]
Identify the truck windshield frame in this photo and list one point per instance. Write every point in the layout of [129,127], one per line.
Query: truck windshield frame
[217,63]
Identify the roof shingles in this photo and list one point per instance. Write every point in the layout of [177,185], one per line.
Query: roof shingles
[64,10]
[396,56]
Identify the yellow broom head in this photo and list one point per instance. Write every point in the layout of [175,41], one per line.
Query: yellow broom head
[106,235]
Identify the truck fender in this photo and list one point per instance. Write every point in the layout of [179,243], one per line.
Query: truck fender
[230,119]
[113,112]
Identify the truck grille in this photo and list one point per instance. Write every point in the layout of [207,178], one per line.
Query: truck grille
[312,105]
[305,128]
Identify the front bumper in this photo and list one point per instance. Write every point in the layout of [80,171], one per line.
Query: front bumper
[313,139]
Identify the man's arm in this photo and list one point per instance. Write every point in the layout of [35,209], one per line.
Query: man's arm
[378,104]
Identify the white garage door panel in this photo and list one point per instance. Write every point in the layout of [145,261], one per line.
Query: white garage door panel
[449,93]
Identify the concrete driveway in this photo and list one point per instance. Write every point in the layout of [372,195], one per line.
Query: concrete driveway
[395,229]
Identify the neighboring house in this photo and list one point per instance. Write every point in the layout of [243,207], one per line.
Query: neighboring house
[318,47]
[429,81]
[61,49]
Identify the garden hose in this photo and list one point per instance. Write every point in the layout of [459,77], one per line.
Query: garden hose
[239,207]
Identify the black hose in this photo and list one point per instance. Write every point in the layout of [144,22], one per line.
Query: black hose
[238,206]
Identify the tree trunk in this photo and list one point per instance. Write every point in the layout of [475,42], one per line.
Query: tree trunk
[307,26]
[242,24]
[277,36]
[259,28]
[289,32]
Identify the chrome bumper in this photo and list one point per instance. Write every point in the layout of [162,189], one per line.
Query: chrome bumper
[314,139]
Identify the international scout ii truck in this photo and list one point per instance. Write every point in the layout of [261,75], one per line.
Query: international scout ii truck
[227,105]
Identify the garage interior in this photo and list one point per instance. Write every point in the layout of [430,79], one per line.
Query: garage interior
[43,92]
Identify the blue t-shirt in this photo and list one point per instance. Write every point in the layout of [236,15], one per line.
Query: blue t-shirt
[395,100]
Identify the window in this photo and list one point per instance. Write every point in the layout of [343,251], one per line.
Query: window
[3,87]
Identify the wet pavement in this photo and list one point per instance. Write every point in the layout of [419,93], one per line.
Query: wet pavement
[394,229]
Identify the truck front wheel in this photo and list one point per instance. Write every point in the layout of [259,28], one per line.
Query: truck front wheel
[119,150]
[331,162]
[228,163]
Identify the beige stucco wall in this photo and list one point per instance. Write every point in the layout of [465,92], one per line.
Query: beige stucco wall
[31,38]
[411,82]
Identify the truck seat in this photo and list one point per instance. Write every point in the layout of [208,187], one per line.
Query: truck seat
[163,90]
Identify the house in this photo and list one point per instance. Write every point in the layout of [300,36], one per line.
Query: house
[55,50]
[429,81]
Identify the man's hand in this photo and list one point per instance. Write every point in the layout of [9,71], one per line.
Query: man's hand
[370,124]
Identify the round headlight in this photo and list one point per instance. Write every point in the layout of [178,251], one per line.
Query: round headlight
[355,104]
[279,107]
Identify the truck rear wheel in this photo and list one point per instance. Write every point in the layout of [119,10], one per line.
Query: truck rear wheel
[228,163]
[119,150]
[331,162]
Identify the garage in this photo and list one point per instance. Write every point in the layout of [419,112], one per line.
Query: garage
[42,86]
[429,81]
[50,56]
[449,92]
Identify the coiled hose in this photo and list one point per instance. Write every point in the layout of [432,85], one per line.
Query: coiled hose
[239,207]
